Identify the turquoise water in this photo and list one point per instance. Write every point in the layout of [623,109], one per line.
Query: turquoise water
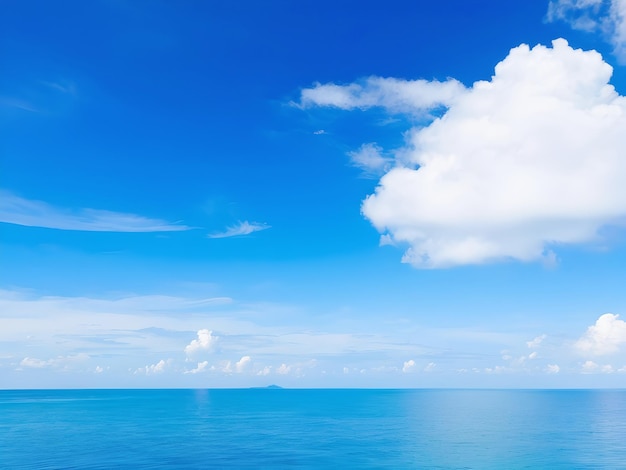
[262,428]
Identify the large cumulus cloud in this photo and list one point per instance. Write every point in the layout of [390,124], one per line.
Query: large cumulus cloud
[533,158]
[604,337]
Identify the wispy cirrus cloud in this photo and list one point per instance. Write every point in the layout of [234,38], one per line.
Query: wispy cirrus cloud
[32,213]
[42,96]
[64,362]
[62,86]
[607,17]
[241,228]
[17,103]
[580,14]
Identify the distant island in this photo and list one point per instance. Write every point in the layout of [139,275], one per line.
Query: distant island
[269,387]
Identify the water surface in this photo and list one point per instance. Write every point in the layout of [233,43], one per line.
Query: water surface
[265,428]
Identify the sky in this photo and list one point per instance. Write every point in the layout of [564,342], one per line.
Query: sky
[313,194]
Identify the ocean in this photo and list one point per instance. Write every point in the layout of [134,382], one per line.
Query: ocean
[286,428]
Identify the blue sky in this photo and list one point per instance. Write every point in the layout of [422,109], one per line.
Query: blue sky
[313,194]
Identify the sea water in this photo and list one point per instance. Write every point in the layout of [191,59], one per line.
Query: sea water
[279,428]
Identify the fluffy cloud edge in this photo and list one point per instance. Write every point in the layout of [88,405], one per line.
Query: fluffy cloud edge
[392,94]
[205,342]
[495,178]
[604,337]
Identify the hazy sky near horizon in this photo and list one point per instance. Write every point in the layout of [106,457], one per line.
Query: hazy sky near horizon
[313,194]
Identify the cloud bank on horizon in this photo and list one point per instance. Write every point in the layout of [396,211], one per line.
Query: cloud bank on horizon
[526,161]
[168,338]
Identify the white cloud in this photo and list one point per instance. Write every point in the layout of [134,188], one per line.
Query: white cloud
[530,159]
[240,366]
[401,96]
[605,16]
[30,213]
[552,369]
[158,326]
[243,364]
[241,228]
[580,14]
[408,366]
[152,369]
[590,367]
[34,363]
[37,329]
[534,344]
[64,362]
[156,368]
[496,370]
[618,20]
[201,367]
[604,337]
[370,159]
[205,342]
[298,369]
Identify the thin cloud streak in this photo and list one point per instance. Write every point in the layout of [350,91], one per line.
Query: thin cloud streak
[241,228]
[607,17]
[31,213]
